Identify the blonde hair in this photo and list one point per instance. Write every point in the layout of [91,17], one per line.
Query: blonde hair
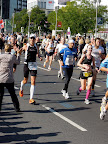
[87,41]
[7,48]
[81,41]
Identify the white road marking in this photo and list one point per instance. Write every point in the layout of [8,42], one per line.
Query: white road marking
[71,78]
[43,68]
[86,82]
[16,88]
[65,119]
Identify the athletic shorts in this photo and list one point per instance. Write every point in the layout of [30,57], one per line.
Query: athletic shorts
[86,75]
[49,54]
[26,71]
[14,66]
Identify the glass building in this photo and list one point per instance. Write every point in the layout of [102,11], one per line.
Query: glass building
[8,7]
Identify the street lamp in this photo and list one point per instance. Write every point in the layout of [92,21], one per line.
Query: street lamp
[96,2]
[29,13]
[13,22]
[56,9]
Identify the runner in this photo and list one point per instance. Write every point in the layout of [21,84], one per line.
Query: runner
[97,53]
[86,72]
[104,104]
[6,75]
[14,50]
[68,60]
[57,50]
[49,53]
[30,65]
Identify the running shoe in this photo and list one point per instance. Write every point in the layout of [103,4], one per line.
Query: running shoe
[44,65]
[63,92]
[104,102]
[59,74]
[92,93]
[62,77]
[31,101]
[78,91]
[67,96]
[21,93]
[49,68]
[103,113]
[87,101]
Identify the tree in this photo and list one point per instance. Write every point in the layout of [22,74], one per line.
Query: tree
[79,17]
[21,20]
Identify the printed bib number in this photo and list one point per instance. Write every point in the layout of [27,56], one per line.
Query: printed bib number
[87,74]
[69,60]
[32,65]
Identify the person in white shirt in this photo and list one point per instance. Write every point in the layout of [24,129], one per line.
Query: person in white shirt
[59,47]
[49,48]
[97,53]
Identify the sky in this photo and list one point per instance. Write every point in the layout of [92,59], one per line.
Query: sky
[104,2]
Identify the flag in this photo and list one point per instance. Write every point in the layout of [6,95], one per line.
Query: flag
[1,24]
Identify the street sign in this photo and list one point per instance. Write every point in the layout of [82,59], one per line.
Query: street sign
[39,28]
[59,24]
[99,21]
[22,29]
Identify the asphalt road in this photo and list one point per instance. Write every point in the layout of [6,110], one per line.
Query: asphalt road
[53,120]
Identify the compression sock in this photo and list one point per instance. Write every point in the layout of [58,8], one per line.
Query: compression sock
[32,88]
[88,93]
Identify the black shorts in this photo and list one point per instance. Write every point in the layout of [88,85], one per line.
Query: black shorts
[26,71]
[49,54]
[14,66]
[85,75]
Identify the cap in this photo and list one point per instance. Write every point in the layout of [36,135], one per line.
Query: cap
[32,35]
[71,41]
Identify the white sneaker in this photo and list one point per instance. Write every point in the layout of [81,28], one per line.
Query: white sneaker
[87,101]
[67,96]
[49,68]
[59,74]
[103,113]
[92,93]
[104,102]
[44,65]
[63,92]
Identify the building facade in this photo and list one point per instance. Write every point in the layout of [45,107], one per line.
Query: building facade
[46,5]
[8,7]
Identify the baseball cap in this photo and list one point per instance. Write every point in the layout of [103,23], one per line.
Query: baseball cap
[71,41]
[32,35]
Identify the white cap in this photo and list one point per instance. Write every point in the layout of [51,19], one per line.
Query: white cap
[71,41]
[32,35]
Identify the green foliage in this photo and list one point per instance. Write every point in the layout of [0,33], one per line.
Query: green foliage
[81,18]
[37,18]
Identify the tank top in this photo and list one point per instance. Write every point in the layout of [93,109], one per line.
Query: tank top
[87,61]
[30,54]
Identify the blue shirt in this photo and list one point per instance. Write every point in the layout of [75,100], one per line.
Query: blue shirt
[69,55]
[105,64]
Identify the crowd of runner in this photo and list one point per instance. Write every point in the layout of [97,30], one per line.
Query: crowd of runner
[88,54]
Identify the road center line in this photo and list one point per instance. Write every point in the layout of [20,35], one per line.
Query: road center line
[86,82]
[71,78]
[65,119]
[43,68]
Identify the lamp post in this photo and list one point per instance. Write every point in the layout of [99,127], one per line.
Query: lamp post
[29,12]
[13,23]
[56,9]
[96,2]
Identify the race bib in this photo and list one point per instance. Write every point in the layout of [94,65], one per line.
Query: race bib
[69,60]
[87,74]
[32,65]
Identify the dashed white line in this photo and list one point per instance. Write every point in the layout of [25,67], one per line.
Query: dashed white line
[79,80]
[65,119]
[43,68]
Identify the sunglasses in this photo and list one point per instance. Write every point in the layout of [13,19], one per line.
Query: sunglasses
[32,38]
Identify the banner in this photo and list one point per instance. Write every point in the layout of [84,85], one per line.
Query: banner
[1,24]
